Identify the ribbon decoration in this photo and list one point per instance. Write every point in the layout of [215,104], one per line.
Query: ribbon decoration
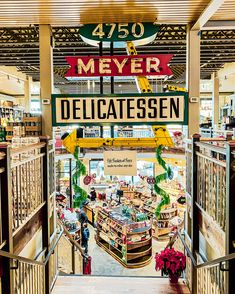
[166,175]
[80,170]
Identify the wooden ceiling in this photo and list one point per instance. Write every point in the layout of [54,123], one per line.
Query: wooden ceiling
[19,33]
[75,12]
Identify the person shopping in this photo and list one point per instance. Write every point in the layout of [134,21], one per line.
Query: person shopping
[85,237]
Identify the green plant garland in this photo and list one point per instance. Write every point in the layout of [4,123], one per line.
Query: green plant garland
[80,170]
[167,175]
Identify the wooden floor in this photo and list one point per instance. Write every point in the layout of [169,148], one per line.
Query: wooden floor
[116,285]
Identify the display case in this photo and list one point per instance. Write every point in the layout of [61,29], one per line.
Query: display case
[130,243]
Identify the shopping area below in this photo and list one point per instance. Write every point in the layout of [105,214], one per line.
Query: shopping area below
[123,192]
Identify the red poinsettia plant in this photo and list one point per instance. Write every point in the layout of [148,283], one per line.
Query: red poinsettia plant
[170,261]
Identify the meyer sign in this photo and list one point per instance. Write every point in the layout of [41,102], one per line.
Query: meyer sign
[120,163]
[126,65]
[149,108]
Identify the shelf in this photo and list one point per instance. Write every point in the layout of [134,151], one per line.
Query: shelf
[133,255]
[145,229]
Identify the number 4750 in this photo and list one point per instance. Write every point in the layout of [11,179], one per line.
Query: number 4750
[122,30]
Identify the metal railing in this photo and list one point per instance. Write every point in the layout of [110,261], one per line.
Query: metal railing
[211,181]
[28,274]
[70,254]
[211,275]
[26,182]
[2,155]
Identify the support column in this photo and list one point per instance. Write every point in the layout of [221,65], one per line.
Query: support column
[215,99]
[46,76]
[193,79]
[27,93]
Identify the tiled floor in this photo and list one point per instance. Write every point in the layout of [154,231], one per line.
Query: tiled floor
[105,264]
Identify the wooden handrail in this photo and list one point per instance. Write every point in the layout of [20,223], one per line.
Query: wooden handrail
[31,261]
[75,243]
[28,148]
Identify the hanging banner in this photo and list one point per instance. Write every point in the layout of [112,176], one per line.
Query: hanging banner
[126,65]
[120,163]
[119,33]
[152,108]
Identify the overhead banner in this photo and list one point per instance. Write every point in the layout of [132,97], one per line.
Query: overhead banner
[120,163]
[126,65]
[152,108]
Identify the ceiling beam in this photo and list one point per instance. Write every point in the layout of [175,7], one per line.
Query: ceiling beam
[219,25]
[206,14]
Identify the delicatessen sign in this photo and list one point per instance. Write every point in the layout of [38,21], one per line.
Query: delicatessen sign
[119,109]
[120,163]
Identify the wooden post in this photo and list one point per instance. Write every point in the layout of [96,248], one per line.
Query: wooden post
[6,205]
[46,220]
[195,220]
[230,216]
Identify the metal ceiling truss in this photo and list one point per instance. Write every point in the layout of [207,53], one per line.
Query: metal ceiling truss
[19,46]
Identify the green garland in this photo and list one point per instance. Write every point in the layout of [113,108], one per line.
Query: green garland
[80,170]
[166,175]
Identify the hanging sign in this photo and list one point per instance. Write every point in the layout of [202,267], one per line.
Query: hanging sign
[120,163]
[129,65]
[139,33]
[120,109]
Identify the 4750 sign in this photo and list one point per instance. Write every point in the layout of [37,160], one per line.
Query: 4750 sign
[114,32]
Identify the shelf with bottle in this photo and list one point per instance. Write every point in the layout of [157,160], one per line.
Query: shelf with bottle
[128,242]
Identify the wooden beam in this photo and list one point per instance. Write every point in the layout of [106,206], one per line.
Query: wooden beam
[207,13]
[27,232]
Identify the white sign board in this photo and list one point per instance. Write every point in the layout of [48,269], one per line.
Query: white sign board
[120,163]
[118,109]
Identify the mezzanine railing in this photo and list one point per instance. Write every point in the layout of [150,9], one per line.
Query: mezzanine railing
[210,216]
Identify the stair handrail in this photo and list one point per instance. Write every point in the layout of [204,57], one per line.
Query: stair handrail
[32,261]
[75,243]
[206,264]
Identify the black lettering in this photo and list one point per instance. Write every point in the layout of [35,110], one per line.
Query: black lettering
[152,105]
[99,108]
[162,107]
[75,108]
[121,100]
[84,110]
[129,108]
[92,109]
[111,110]
[65,109]
[176,107]
[141,106]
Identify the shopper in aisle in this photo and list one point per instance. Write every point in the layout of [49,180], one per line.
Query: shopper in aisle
[85,237]
[93,194]
[81,215]
[108,193]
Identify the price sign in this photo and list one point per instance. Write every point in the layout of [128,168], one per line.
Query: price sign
[118,32]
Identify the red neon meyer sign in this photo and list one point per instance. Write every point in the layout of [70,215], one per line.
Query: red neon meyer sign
[126,65]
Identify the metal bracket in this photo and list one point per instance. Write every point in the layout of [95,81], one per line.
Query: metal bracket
[223,269]
[16,266]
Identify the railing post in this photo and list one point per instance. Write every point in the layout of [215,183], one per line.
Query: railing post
[73,258]
[6,205]
[194,224]
[46,220]
[230,216]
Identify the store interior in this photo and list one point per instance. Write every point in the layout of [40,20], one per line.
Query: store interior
[125,233]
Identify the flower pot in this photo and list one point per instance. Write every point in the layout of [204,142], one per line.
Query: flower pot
[173,278]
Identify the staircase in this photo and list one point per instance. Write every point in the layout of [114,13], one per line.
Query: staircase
[116,285]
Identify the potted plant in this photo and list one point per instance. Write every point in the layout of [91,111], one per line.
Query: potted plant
[171,262]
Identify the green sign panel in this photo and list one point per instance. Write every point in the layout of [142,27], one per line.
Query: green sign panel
[118,109]
[116,32]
